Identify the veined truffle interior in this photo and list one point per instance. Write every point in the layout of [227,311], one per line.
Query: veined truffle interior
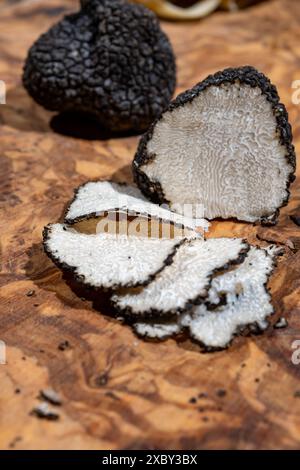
[221,150]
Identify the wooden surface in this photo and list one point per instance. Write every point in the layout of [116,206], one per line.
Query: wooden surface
[119,391]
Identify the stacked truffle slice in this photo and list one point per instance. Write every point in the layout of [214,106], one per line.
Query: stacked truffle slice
[163,285]
[238,302]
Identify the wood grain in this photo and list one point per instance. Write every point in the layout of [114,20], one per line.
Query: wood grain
[117,390]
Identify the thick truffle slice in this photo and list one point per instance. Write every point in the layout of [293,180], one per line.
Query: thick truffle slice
[107,261]
[247,302]
[224,144]
[95,198]
[111,59]
[186,280]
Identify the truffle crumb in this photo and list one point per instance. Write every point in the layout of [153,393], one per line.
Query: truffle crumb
[101,380]
[64,345]
[281,323]
[30,293]
[51,396]
[43,411]
[193,400]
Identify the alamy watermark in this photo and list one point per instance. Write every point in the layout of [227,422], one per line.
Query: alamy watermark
[296,354]
[154,221]
[2,92]
[2,353]
[296,93]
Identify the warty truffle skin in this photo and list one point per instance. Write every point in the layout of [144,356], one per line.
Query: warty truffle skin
[110,59]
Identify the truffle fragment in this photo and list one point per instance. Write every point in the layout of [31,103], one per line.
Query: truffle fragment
[281,323]
[247,302]
[186,280]
[225,144]
[107,261]
[51,396]
[111,59]
[43,411]
[95,198]
[157,330]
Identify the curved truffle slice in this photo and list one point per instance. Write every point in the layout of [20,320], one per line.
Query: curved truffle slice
[111,59]
[95,198]
[225,144]
[157,330]
[107,261]
[186,280]
[247,302]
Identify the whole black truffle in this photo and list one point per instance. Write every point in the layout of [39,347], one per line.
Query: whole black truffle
[110,59]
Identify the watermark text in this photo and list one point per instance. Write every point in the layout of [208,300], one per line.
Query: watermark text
[2,92]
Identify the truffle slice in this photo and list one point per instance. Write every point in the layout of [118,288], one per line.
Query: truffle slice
[225,144]
[111,59]
[95,198]
[247,302]
[186,280]
[157,330]
[107,261]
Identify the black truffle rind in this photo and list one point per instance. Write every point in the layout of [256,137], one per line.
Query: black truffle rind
[247,75]
[111,59]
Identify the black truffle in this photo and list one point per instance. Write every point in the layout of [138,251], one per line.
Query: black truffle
[225,145]
[111,59]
